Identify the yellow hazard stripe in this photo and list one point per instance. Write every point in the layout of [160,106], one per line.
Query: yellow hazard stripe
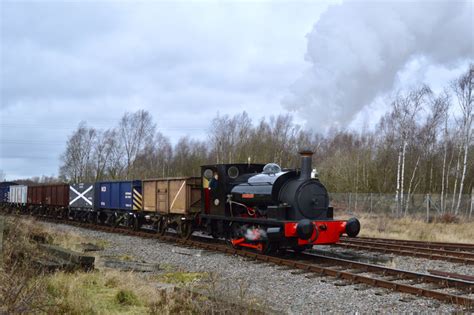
[137,195]
[137,200]
[138,204]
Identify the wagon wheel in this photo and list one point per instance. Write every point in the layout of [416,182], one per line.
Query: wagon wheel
[91,217]
[134,223]
[115,220]
[161,227]
[185,229]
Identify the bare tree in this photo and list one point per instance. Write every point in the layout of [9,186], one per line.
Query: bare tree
[405,111]
[77,157]
[135,129]
[463,89]
[155,159]
[426,137]
[102,152]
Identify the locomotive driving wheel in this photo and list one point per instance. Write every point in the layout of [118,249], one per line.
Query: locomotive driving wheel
[234,235]
[269,248]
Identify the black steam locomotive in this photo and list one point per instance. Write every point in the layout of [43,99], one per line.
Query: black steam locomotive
[264,207]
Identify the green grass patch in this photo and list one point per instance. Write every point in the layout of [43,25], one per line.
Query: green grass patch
[92,293]
[126,257]
[181,277]
[126,297]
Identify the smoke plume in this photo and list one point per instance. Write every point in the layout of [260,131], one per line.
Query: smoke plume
[356,50]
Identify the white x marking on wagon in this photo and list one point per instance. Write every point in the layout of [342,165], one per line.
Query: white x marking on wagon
[81,195]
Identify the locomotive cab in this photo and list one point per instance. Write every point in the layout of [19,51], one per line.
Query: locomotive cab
[218,180]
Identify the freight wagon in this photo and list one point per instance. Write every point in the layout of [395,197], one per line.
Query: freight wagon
[4,191]
[18,195]
[81,201]
[171,203]
[117,202]
[52,199]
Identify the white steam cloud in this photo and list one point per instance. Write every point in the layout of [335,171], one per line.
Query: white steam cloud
[255,234]
[357,49]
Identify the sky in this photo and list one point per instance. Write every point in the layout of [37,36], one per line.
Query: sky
[63,62]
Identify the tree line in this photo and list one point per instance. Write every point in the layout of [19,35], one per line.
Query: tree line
[423,144]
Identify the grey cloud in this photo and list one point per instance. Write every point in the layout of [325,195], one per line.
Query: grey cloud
[63,62]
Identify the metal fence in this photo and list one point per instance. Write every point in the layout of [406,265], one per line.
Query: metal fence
[418,204]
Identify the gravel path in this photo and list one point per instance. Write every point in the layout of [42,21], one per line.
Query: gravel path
[278,289]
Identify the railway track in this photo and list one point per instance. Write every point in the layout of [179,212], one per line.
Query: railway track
[435,245]
[462,254]
[445,289]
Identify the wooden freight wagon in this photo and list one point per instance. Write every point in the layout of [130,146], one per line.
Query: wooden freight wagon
[179,195]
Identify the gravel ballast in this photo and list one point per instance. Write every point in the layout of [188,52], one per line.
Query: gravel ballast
[278,289]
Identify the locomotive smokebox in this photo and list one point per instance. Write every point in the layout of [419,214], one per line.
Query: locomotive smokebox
[306,161]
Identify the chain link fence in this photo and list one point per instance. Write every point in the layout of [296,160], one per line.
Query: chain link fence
[418,204]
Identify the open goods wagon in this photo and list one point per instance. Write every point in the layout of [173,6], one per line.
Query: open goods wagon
[171,203]
[81,196]
[119,195]
[53,195]
[5,191]
[117,202]
[18,194]
[179,195]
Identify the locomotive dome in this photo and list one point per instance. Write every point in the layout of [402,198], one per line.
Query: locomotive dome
[271,168]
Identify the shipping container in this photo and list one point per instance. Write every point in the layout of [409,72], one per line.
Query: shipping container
[81,195]
[56,195]
[5,190]
[180,195]
[18,194]
[119,195]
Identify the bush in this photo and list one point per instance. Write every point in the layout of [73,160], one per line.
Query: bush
[447,218]
[126,297]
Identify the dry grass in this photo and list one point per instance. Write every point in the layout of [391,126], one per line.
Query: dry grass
[108,291]
[114,292]
[412,228]
[21,284]
[99,293]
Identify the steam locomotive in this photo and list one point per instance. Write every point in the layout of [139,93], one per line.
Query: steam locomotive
[254,206]
[265,208]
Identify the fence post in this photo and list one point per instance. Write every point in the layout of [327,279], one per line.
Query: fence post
[427,207]
[472,202]
[370,202]
[350,195]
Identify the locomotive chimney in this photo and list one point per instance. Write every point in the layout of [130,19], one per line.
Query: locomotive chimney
[306,157]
